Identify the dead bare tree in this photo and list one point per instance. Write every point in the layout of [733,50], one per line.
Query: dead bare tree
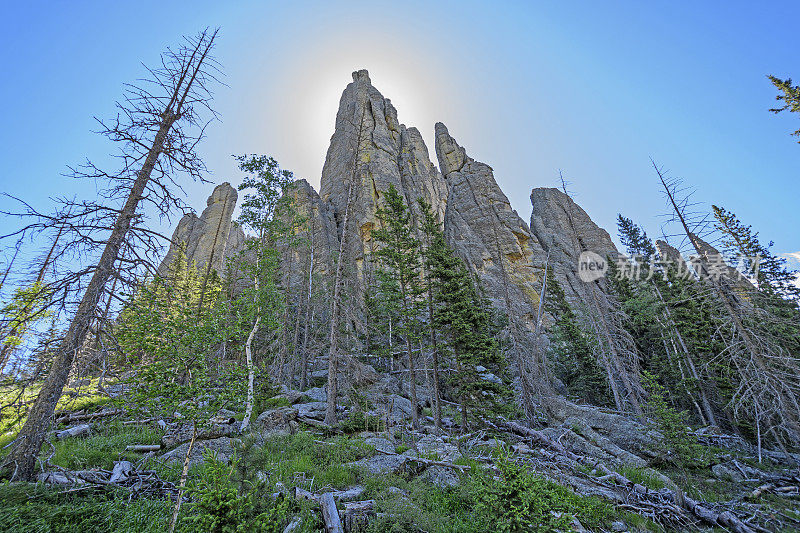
[615,348]
[768,386]
[158,126]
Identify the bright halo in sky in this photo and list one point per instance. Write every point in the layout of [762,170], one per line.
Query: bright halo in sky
[310,92]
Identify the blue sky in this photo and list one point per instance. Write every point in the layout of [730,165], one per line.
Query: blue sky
[593,89]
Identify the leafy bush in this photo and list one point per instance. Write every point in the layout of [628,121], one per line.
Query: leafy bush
[219,505]
[513,499]
[358,422]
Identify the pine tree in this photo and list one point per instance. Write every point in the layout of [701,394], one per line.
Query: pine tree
[432,233]
[463,316]
[400,254]
[644,298]
[572,352]
[789,95]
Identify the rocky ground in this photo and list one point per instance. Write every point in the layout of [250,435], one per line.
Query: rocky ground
[376,469]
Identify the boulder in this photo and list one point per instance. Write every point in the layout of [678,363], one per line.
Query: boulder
[381,444]
[316,394]
[315,410]
[382,464]
[438,447]
[727,473]
[277,420]
[224,449]
[440,476]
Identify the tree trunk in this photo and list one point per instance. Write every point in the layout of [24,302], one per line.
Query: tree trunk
[333,356]
[22,459]
[184,474]
[248,412]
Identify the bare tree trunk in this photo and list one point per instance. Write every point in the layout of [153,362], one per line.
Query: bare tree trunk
[21,462]
[304,355]
[708,411]
[603,332]
[784,403]
[248,412]
[184,474]
[526,393]
[412,376]
[437,413]
[333,356]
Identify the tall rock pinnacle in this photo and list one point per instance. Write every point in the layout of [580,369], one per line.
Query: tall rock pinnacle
[212,236]
[488,234]
[565,230]
[370,150]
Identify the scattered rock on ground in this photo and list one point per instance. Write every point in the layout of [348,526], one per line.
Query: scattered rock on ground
[277,420]
[382,464]
[223,448]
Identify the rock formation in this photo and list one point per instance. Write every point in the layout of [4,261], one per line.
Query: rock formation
[210,238]
[371,150]
[320,241]
[565,230]
[488,233]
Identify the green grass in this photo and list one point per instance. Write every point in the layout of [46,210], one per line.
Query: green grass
[105,445]
[12,414]
[642,476]
[291,459]
[35,509]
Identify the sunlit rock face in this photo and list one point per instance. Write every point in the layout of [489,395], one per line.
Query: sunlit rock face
[210,238]
[488,233]
[565,230]
[371,150]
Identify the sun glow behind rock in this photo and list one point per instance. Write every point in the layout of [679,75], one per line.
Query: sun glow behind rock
[307,99]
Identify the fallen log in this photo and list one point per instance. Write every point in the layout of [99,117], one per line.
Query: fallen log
[757,492]
[140,421]
[431,462]
[725,519]
[356,515]
[75,431]
[330,515]
[89,416]
[143,448]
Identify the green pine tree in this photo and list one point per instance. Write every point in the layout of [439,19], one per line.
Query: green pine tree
[400,256]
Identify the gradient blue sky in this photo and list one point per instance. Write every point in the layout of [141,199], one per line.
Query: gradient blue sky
[592,88]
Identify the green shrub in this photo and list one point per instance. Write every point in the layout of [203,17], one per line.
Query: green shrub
[511,499]
[358,422]
[220,505]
